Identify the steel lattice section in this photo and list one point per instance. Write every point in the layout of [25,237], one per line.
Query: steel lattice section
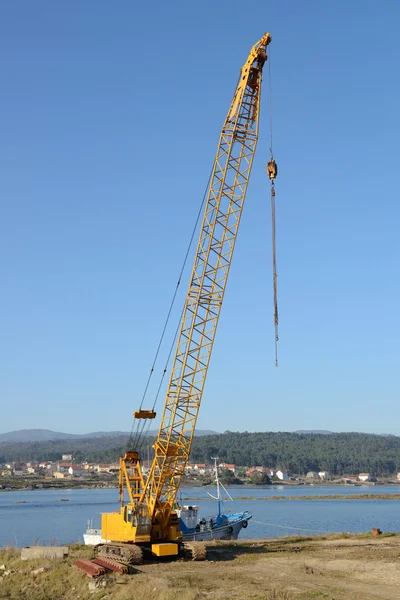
[224,204]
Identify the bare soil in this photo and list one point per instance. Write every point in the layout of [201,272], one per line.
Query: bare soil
[337,567]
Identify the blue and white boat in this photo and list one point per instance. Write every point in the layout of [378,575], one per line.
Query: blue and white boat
[220,526]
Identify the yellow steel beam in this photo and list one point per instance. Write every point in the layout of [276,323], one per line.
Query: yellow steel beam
[225,198]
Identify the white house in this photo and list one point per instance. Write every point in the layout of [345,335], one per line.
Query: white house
[398,476]
[62,467]
[312,475]
[102,468]
[67,456]
[323,475]
[201,469]
[364,477]
[282,475]
[77,471]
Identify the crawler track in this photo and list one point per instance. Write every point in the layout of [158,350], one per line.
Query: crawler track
[194,551]
[125,553]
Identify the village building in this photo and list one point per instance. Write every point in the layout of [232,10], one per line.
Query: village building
[251,471]
[62,467]
[268,471]
[312,475]
[228,466]
[200,469]
[350,479]
[19,469]
[105,468]
[364,477]
[77,471]
[282,475]
[323,475]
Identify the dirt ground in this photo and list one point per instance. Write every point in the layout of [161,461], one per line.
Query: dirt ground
[337,567]
[360,568]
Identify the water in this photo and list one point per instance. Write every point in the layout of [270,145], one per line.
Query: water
[45,518]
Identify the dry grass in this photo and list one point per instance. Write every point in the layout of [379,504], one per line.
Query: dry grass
[335,567]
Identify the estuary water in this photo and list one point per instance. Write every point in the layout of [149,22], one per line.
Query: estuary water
[41,516]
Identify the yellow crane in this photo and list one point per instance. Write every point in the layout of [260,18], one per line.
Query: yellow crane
[147,521]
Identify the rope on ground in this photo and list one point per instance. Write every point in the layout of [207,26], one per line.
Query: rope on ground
[288,527]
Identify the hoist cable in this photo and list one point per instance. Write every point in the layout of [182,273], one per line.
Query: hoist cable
[270,103]
[175,292]
[142,437]
[274,272]
[272,174]
[169,357]
[135,436]
[183,310]
[143,434]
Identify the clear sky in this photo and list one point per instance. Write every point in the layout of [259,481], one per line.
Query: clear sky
[110,116]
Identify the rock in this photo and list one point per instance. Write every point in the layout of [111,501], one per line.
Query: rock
[51,552]
[39,570]
[2,567]
[95,585]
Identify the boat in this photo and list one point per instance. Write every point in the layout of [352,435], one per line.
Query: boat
[220,526]
[92,535]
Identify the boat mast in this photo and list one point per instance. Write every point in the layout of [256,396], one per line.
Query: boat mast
[217,482]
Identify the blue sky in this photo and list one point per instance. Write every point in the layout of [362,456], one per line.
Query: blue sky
[110,116]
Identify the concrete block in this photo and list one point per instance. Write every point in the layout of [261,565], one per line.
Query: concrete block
[44,552]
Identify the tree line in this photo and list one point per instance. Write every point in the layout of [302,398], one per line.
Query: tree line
[338,453]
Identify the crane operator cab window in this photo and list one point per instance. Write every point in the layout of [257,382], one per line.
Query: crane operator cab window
[138,518]
[129,516]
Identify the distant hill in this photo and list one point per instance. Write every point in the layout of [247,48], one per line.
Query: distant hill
[321,431]
[46,435]
[337,453]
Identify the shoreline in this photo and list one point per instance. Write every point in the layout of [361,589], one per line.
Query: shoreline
[69,486]
[321,497]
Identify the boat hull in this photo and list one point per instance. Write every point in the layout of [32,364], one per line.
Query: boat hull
[229,531]
[226,532]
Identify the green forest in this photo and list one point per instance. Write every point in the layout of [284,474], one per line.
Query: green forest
[298,453]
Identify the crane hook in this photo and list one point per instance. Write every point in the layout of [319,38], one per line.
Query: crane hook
[272,169]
